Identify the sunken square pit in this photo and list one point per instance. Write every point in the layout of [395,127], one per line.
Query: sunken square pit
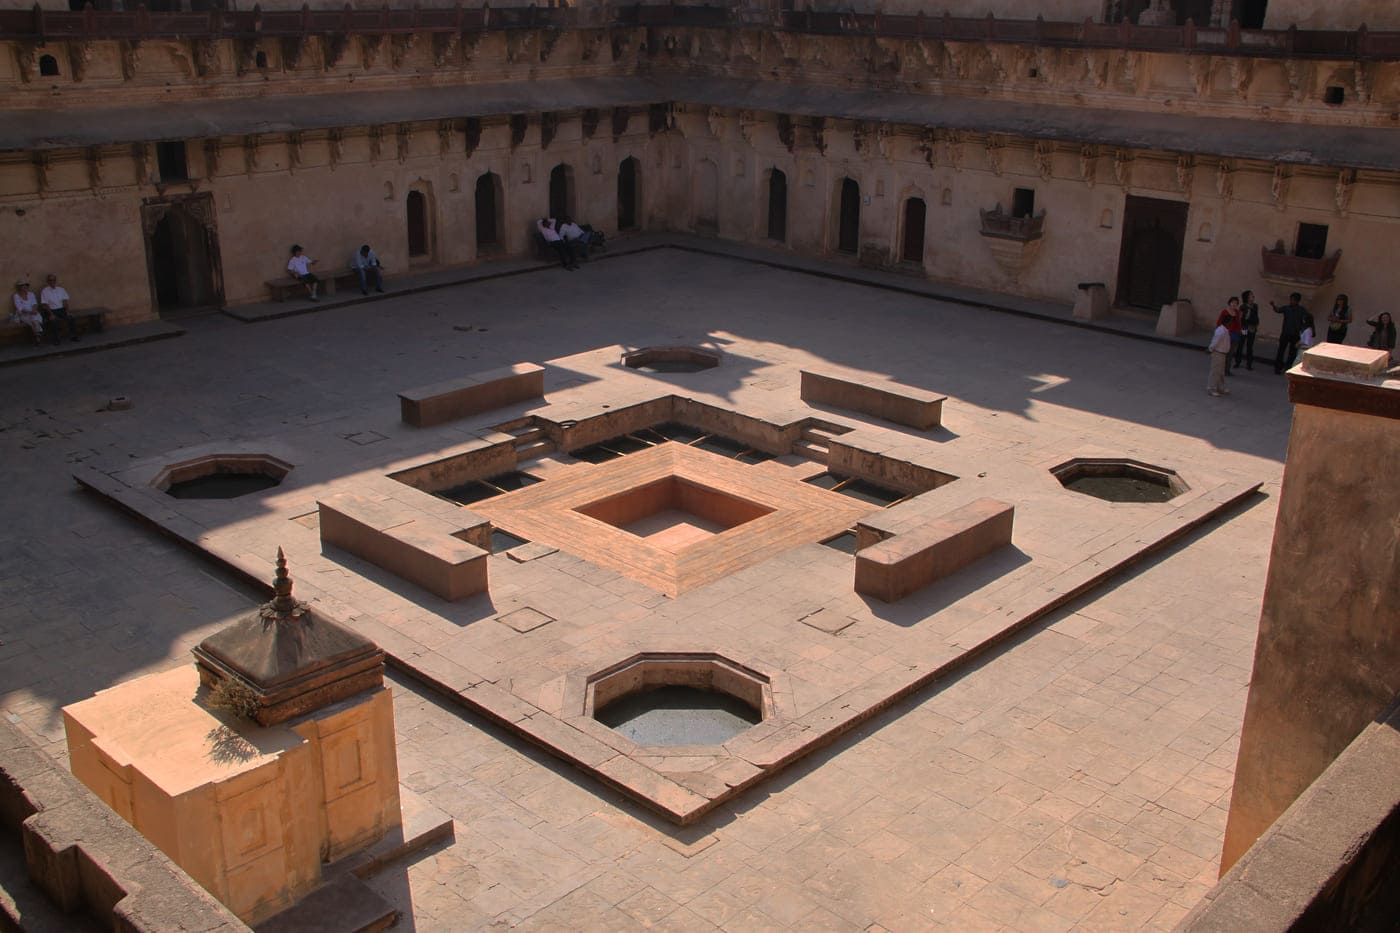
[673,513]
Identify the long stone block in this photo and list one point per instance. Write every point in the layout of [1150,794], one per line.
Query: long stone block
[892,401]
[441,402]
[422,549]
[897,566]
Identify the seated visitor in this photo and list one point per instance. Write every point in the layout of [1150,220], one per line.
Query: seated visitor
[53,305]
[26,311]
[366,265]
[300,268]
[1382,333]
[561,247]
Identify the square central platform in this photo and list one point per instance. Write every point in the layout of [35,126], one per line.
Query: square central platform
[673,517]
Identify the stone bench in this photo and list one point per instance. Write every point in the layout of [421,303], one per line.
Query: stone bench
[85,320]
[423,548]
[897,566]
[441,402]
[892,401]
[280,288]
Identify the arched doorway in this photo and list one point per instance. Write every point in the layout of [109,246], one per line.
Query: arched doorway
[561,191]
[489,211]
[419,236]
[629,194]
[706,197]
[1149,263]
[848,232]
[777,206]
[182,254]
[914,216]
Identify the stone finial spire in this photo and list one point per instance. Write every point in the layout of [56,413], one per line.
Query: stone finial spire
[283,604]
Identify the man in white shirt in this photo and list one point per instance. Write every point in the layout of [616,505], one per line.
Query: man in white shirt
[300,268]
[547,229]
[1219,354]
[53,305]
[26,311]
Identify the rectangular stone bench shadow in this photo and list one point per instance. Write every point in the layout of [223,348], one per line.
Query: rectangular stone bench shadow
[444,551]
[892,568]
[441,402]
[891,401]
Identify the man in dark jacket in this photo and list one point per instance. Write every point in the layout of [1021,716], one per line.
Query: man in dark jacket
[1295,318]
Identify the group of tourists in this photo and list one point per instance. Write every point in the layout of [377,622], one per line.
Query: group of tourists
[567,239]
[1232,343]
[45,314]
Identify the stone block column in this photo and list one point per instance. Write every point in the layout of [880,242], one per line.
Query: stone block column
[1327,660]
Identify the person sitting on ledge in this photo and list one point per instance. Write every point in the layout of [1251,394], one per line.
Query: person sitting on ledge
[366,265]
[53,305]
[561,247]
[26,311]
[1382,333]
[300,268]
[575,235]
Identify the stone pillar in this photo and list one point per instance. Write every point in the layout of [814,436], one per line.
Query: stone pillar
[1327,660]
[1177,319]
[1092,302]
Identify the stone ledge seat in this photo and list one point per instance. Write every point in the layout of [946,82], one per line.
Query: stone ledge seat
[891,401]
[85,320]
[330,281]
[891,569]
[423,548]
[441,402]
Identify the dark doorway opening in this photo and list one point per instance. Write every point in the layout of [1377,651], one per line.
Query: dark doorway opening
[629,194]
[706,197]
[48,66]
[777,206]
[1251,14]
[170,161]
[1023,202]
[914,215]
[848,233]
[561,191]
[1149,264]
[488,212]
[1197,11]
[419,239]
[182,254]
[1311,242]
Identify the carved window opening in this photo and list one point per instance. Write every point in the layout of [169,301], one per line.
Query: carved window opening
[1023,203]
[1334,96]
[489,212]
[1311,242]
[1251,13]
[171,162]
[915,214]
[260,61]
[777,206]
[418,234]
[48,66]
[629,194]
[848,229]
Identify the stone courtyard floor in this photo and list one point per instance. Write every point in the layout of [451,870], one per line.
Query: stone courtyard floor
[1075,778]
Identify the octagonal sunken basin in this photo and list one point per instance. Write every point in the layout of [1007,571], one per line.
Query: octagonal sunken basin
[1119,480]
[679,699]
[671,359]
[222,476]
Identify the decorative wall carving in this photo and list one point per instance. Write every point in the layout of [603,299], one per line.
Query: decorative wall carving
[95,165]
[1185,172]
[1278,187]
[403,137]
[1089,165]
[1225,179]
[213,152]
[1045,159]
[250,153]
[1346,181]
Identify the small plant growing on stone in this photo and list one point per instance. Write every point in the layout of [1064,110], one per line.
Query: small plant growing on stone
[234,696]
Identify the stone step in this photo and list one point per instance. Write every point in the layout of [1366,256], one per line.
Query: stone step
[517,426]
[810,449]
[818,435]
[533,449]
[526,436]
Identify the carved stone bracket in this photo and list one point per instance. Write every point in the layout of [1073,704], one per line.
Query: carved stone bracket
[1045,158]
[1096,66]
[715,121]
[1241,74]
[447,48]
[1278,187]
[747,121]
[884,132]
[293,49]
[79,55]
[245,55]
[519,123]
[747,47]
[996,147]
[294,151]
[1185,172]
[1200,67]
[1362,76]
[370,47]
[95,166]
[40,160]
[621,41]
[399,47]
[376,142]
[1346,181]
[403,137]
[1299,74]
[592,41]
[818,127]
[953,141]
[129,50]
[549,126]
[786,133]
[27,58]
[335,147]
[213,152]
[548,40]
[470,43]
[1089,165]
[204,53]
[621,116]
[928,146]
[471,135]
[1129,67]
[1123,167]
[1225,179]
[860,137]
[251,144]
[445,130]
[521,45]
